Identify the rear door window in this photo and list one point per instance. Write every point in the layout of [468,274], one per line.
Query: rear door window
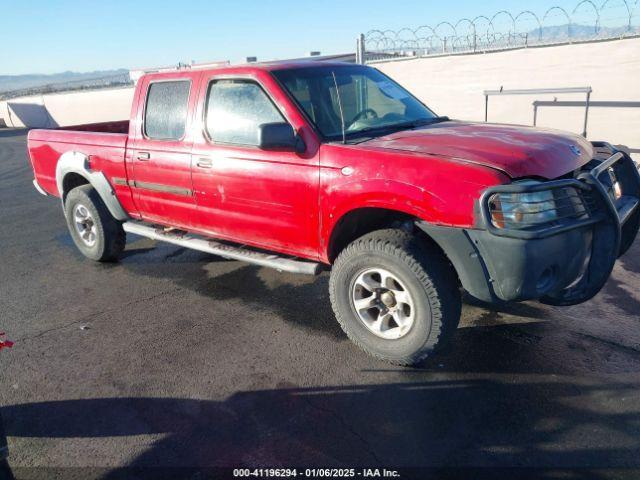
[166,111]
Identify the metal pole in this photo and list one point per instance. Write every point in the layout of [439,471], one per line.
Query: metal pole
[486,108]
[10,116]
[360,50]
[535,114]
[586,115]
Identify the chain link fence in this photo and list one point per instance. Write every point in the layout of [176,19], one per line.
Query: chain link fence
[586,21]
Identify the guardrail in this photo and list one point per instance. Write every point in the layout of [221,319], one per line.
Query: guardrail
[589,104]
[540,91]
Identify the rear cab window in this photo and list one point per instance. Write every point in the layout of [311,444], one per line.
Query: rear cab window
[166,110]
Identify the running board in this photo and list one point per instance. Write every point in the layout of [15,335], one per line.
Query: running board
[201,244]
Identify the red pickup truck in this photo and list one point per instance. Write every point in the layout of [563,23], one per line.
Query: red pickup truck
[305,166]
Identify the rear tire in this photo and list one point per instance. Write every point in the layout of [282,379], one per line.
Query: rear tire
[406,291]
[95,232]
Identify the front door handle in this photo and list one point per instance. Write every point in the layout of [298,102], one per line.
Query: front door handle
[143,156]
[204,162]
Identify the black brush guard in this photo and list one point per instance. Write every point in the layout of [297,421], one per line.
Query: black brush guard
[613,224]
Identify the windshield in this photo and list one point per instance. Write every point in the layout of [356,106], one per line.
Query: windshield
[366,99]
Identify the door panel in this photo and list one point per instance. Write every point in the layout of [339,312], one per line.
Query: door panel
[162,185]
[263,198]
[161,157]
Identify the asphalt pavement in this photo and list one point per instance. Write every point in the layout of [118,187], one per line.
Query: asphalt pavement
[180,359]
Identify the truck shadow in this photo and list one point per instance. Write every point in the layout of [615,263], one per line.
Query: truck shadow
[621,290]
[517,338]
[422,423]
[299,299]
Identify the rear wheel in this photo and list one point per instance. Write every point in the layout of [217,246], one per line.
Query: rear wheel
[395,296]
[95,232]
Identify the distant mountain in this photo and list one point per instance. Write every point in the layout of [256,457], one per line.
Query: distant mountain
[579,32]
[10,83]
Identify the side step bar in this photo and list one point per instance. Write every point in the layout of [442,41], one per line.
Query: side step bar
[202,244]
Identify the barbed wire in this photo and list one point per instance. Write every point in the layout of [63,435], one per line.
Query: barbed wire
[586,21]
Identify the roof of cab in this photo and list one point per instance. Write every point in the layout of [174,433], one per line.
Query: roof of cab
[255,67]
[289,65]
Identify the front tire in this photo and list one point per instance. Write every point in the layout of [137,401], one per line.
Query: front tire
[95,232]
[395,295]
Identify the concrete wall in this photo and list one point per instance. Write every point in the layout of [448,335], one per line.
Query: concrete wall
[64,109]
[453,85]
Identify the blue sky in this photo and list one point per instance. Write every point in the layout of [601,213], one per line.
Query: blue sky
[47,36]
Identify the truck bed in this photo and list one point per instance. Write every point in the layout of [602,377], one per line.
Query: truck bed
[120,126]
[104,142]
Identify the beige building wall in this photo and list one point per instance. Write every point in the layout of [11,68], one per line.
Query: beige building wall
[454,85]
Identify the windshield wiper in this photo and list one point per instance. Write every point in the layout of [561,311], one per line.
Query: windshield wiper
[429,121]
[398,126]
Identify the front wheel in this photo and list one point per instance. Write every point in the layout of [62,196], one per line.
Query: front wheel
[395,296]
[95,232]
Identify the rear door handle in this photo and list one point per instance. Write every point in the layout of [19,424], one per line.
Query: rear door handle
[143,156]
[204,162]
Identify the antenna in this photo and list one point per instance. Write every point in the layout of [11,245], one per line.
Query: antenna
[344,136]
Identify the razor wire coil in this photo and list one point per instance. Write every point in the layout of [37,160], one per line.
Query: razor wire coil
[504,30]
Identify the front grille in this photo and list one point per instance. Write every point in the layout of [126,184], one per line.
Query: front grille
[574,203]
[591,201]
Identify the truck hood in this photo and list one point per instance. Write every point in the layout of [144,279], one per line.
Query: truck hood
[518,151]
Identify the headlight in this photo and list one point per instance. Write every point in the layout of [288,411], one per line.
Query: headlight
[539,208]
[522,210]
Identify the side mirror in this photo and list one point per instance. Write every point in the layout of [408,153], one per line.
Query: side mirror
[280,137]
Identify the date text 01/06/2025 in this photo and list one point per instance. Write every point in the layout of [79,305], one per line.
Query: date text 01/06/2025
[315,473]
